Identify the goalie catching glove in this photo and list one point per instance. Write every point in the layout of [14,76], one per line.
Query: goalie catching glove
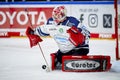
[34,39]
[76,37]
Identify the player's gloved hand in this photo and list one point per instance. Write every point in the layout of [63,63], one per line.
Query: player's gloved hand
[74,30]
[34,39]
[76,37]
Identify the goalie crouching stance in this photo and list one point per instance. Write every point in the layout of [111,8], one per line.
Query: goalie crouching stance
[70,35]
[72,39]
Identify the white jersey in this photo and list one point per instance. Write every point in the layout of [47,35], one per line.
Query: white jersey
[60,35]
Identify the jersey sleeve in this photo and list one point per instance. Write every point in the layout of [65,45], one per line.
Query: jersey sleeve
[41,31]
[83,30]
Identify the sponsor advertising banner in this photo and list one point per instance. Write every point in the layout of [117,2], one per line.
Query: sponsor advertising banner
[99,18]
[16,17]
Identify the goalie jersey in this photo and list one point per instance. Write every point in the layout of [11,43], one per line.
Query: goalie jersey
[60,35]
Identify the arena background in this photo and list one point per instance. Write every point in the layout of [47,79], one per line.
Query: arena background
[97,15]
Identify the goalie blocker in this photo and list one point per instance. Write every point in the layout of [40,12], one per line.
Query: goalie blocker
[91,63]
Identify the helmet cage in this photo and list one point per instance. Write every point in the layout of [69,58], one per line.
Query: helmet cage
[59,14]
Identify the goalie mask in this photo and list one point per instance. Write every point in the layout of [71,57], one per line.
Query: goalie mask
[59,14]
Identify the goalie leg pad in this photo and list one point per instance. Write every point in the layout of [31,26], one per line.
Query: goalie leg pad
[55,65]
[53,61]
[86,63]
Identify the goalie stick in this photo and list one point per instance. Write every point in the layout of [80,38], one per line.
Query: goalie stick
[47,68]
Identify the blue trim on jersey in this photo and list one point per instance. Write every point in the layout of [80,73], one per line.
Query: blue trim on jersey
[69,21]
[58,3]
[50,19]
[41,33]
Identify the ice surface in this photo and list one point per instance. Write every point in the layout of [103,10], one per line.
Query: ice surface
[20,62]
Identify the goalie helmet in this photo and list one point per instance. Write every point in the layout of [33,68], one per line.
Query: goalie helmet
[59,14]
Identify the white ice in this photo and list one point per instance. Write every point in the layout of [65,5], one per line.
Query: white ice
[20,62]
